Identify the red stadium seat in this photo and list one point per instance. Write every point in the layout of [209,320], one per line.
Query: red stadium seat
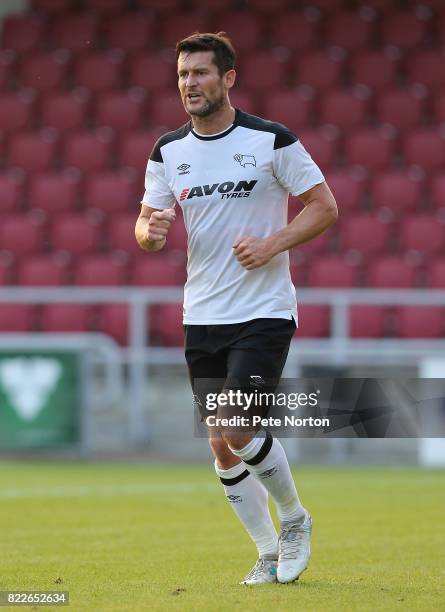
[332,271]
[166,325]
[110,191]
[130,31]
[265,6]
[245,28]
[402,108]
[351,30]
[424,233]
[121,233]
[428,68]
[23,32]
[244,100]
[375,68]
[42,271]
[161,6]
[89,151]
[293,30]
[320,69]
[76,233]
[7,59]
[107,6]
[121,110]
[436,274]
[391,272]
[420,321]
[398,190]
[327,6]
[438,190]
[45,71]
[33,151]
[65,317]
[322,144]
[313,321]
[348,187]
[12,192]
[367,321]
[21,234]
[54,192]
[179,24]
[372,148]
[65,110]
[425,147]
[113,321]
[261,69]
[136,146]
[365,233]
[344,108]
[318,245]
[16,110]
[404,29]
[75,31]
[158,271]
[53,6]
[438,103]
[16,317]
[142,67]
[100,270]
[291,107]
[167,110]
[99,71]
[5,273]
[177,235]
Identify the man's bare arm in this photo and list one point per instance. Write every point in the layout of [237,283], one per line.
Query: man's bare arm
[152,227]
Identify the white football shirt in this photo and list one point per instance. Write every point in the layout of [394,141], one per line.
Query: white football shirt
[235,183]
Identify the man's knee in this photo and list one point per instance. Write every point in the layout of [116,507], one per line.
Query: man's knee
[237,440]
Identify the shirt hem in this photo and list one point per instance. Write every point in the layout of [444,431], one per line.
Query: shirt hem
[282,314]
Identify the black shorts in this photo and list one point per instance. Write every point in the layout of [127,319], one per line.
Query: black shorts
[248,356]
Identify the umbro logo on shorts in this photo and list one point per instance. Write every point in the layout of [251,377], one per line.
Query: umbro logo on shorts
[228,189]
[234,498]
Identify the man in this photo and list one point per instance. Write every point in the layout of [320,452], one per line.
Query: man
[231,173]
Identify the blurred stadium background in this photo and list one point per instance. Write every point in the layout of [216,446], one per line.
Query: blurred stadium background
[90,325]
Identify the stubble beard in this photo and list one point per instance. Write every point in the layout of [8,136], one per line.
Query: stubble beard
[209,108]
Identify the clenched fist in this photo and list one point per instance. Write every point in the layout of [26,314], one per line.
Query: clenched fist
[159,224]
[252,252]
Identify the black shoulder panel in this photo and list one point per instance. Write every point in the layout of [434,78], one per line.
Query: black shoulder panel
[283,136]
[181,132]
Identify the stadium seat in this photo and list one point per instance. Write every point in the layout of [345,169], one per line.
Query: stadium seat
[5,274]
[53,6]
[45,270]
[16,317]
[158,270]
[391,272]
[99,71]
[293,30]
[89,151]
[100,270]
[54,192]
[322,144]
[120,110]
[438,190]
[12,192]
[424,233]
[351,30]
[45,71]
[428,68]
[16,110]
[372,148]
[7,68]
[65,110]
[365,233]
[75,31]
[65,317]
[76,233]
[291,107]
[161,6]
[404,29]
[23,33]
[121,233]
[344,108]
[130,31]
[424,147]
[398,190]
[179,24]
[375,68]
[332,271]
[245,101]
[110,191]
[420,321]
[142,67]
[367,321]
[262,69]
[319,69]
[106,7]
[33,151]
[402,108]
[167,110]
[438,103]
[166,325]
[348,187]
[436,274]
[327,6]
[313,321]
[21,234]
[177,235]
[113,321]
[244,28]
[135,148]
[318,245]
[265,6]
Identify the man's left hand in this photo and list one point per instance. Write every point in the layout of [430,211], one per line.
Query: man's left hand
[252,252]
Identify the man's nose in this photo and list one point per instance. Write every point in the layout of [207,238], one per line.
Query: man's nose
[190,80]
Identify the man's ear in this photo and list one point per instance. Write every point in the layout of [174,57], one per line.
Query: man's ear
[229,78]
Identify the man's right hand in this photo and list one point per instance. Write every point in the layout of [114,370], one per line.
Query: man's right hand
[159,224]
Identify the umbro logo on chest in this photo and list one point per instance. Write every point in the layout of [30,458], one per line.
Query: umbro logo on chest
[227,189]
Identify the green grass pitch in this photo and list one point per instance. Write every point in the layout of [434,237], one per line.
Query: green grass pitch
[149,537]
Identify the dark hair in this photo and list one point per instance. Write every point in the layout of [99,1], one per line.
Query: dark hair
[220,44]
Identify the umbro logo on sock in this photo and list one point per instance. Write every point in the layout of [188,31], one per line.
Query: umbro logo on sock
[268,473]
[234,498]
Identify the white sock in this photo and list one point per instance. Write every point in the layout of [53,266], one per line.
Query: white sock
[249,500]
[266,460]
